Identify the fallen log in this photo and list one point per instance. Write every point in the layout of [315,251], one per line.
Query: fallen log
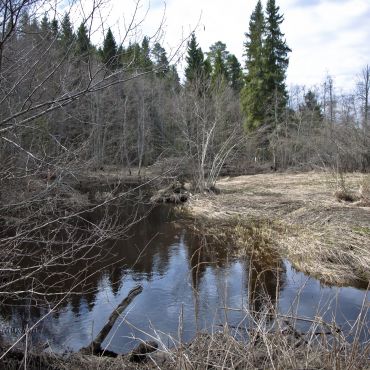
[94,347]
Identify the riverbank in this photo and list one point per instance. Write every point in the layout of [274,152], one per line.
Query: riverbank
[301,216]
[254,212]
[282,348]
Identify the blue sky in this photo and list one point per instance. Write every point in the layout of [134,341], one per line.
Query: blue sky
[326,36]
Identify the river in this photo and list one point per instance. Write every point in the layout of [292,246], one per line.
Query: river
[188,286]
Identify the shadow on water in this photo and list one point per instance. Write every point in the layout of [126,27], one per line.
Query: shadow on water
[189,285]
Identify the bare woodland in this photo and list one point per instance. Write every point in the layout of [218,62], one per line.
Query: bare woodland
[66,112]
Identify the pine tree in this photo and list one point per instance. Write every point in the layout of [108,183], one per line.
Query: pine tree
[195,61]
[67,36]
[109,51]
[217,56]
[219,72]
[276,63]
[160,60]
[218,47]
[254,92]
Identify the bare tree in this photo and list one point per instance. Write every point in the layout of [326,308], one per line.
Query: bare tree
[210,129]
[363,88]
[53,122]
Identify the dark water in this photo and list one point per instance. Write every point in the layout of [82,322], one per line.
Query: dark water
[187,285]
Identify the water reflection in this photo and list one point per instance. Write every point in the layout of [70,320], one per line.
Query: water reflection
[182,274]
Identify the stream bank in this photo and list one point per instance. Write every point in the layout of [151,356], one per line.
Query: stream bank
[301,218]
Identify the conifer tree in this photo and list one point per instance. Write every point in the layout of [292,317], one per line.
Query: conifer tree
[173,76]
[83,45]
[219,72]
[311,110]
[54,25]
[254,91]
[218,47]
[276,63]
[207,70]
[160,59]
[195,61]
[45,25]
[235,73]
[217,56]
[145,61]
[67,35]
[109,51]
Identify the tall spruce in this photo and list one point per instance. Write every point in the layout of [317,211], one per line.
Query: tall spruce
[195,61]
[54,25]
[109,51]
[83,45]
[253,94]
[276,63]
[67,36]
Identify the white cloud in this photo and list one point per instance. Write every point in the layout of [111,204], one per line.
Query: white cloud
[326,36]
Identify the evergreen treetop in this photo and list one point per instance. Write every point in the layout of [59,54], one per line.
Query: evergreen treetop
[160,59]
[276,57]
[253,94]
[109,50]
[67,35]
[83,45]
[235,73]
[195,61]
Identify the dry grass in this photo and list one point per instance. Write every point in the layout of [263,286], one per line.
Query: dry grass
[271,344]
[320,235]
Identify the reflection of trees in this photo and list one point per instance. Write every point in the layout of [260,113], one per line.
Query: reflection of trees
[205,252]
[78,278]
[265,280]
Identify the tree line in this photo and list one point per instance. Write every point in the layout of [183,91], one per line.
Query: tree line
[65,99]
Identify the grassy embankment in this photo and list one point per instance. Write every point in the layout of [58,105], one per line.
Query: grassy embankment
[301,217]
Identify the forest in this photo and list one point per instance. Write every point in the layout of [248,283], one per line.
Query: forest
[85,124]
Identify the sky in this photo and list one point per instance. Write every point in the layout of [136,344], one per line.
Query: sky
[326,36]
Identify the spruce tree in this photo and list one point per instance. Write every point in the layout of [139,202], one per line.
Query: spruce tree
[235,73]
[276,63]
[67,36]
[45,25]
[109,51]
[195,61]
[254,92]
[83,45]
[54,25]
[311,110]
